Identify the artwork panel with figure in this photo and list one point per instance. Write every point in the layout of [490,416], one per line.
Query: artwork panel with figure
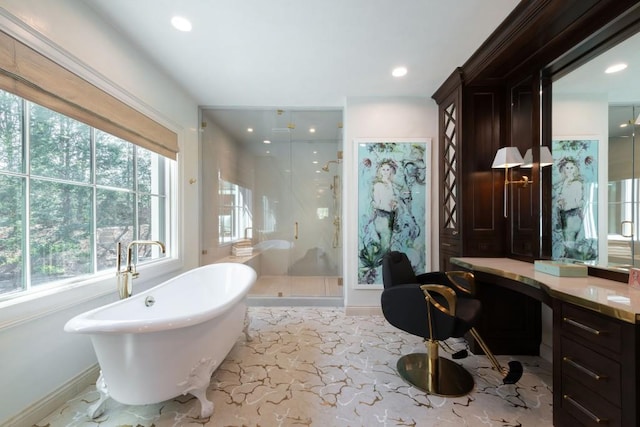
[393,178]
[575,199]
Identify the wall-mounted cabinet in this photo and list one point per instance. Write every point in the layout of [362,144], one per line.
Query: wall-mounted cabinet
[449,118]
[470,214]
[497,99]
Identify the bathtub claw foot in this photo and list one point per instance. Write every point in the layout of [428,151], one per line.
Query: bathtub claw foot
[97,409]
[197,383]
[206,406]
[245,329]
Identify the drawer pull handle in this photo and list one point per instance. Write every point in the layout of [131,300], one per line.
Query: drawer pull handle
[446,244]
[585,411]
[581,368]
[582,326]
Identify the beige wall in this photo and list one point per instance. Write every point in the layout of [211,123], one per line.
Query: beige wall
[403,117]
[38,357]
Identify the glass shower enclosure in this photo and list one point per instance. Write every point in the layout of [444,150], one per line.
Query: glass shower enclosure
[286,167]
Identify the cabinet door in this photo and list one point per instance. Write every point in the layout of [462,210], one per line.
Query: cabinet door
[449,192]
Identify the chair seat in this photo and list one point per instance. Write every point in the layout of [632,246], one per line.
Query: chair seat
[404,307]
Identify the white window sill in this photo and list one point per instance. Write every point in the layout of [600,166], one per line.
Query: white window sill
[39,304]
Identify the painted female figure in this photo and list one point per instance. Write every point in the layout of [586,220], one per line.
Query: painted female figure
[570,203]
[385,201]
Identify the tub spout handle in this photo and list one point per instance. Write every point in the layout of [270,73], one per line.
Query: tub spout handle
[125,277]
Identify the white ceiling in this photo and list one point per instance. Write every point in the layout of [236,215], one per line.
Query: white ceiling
[311,53]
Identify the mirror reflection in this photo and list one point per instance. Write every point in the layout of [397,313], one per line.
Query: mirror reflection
[600,102]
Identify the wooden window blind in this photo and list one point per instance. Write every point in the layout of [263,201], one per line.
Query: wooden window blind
[29,74]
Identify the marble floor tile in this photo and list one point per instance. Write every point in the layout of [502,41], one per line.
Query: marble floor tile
[296,286]
[310,366]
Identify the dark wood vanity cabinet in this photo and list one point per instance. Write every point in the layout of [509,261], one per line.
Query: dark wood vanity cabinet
[497,98]
[511,316]
[501,96]
[449,119]
[470,210]
[595,368]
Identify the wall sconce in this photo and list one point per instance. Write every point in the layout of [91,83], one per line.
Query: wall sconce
[545,158]
[509,157]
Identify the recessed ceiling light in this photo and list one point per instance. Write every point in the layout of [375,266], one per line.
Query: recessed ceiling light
[312,130]
[249,129]
[624,125]
[399,72]
[615,68]
[266,141]
[315,162]
[180,23]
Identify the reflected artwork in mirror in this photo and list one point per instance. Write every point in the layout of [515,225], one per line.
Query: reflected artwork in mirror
[591,103]
[575,199]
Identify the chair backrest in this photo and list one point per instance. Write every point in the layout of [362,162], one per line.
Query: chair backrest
[403,302]
[397,270]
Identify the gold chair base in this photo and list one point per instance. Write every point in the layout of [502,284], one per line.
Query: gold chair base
[445,378]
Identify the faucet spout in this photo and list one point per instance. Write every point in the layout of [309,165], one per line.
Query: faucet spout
[125,277]
[130,265]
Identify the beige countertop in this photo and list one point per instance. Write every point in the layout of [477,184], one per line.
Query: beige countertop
[609,297]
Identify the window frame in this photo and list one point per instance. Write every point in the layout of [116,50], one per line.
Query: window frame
[29,282]
[36,305]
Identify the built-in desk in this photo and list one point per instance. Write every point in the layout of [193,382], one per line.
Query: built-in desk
[595,336]
[608,297]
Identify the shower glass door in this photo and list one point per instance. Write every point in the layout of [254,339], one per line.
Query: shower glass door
[272,180]
[297,223]
[315,195]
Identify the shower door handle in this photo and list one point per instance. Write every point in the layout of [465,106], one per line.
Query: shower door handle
[295,231]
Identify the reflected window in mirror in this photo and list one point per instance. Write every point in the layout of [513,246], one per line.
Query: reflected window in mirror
[234,216]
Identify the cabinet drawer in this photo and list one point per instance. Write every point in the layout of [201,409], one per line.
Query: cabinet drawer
[587,407]
[594,371]
[591,329]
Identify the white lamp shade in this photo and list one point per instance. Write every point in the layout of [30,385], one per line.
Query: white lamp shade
[545,158]
[507,157]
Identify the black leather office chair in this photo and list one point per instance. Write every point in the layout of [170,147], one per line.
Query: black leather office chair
[435,306]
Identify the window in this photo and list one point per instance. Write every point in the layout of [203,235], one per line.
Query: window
[234,218]
[69,193]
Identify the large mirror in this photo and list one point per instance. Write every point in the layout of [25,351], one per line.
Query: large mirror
[595,141]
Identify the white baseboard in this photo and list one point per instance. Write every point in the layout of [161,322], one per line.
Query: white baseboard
[41,409]
[363,311]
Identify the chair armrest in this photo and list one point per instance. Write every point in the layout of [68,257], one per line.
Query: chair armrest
[463,281]
[446,292]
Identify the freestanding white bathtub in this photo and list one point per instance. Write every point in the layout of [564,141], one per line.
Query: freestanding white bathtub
[168,340]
